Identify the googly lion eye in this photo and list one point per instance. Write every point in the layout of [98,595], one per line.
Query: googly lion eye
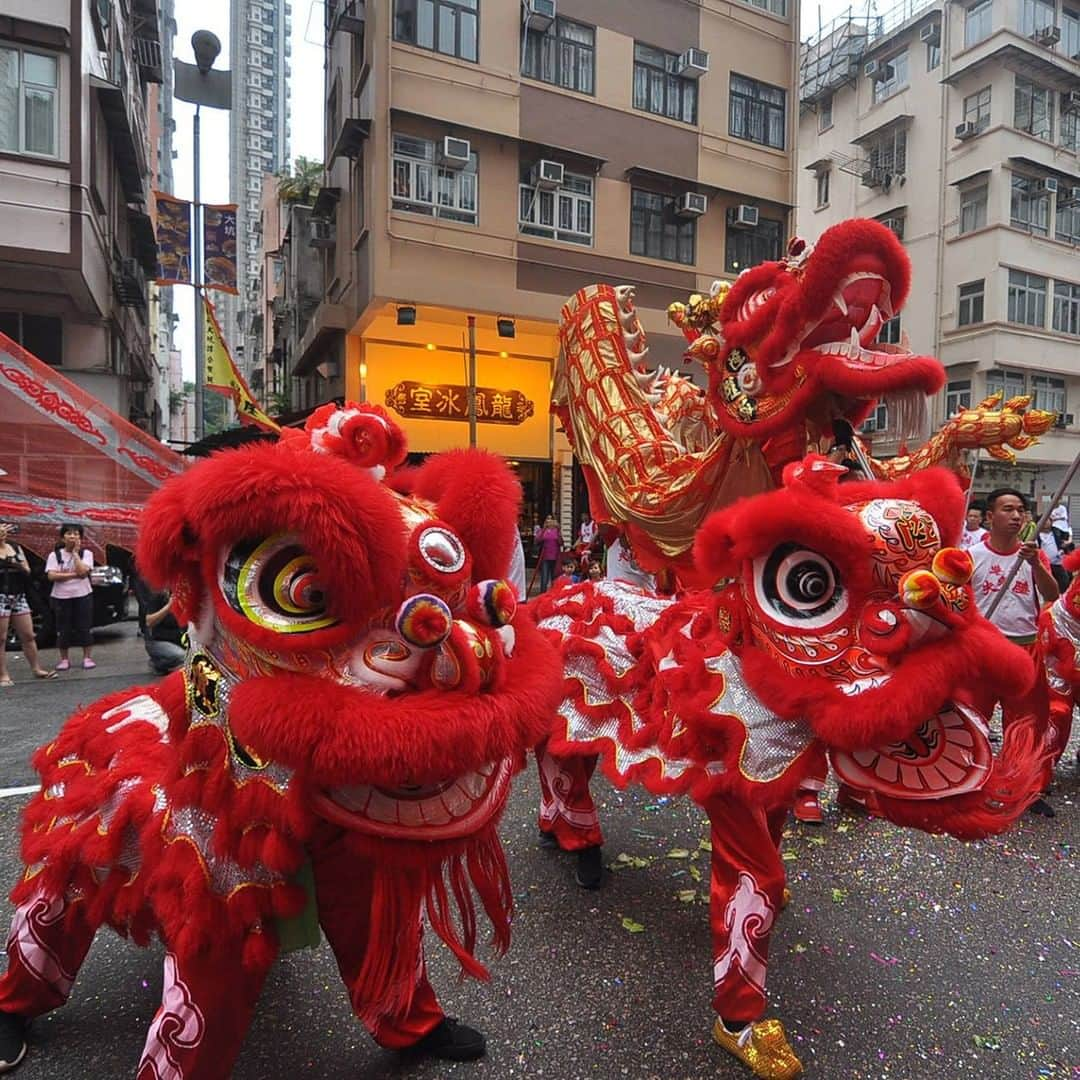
[441,549]
[275,584]
[799,587]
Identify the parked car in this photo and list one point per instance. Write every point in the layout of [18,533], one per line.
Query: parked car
[111,584]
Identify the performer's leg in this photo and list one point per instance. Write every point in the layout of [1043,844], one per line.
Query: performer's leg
[343,888]
[1034,706]
[207,1002]
[746,892]
[48,942]
[567,810]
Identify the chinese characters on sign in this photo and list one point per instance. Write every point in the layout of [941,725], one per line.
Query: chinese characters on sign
[441,402]
[219,247]
[173,240]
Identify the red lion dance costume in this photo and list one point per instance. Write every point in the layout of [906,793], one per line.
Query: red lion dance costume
[846,632]
[357,694]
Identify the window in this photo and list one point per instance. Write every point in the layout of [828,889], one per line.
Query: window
[894,222]
[977,109]
[1027,299]
[1067,224]
[564,214]
[823,188]
[775,7]
[446,26]
[1036,15]
[933,56]
[897,77]
[748,247]
[563,55]
[1066,310]
[657,89]
[878,420]
[888,152]
[657,232]
[1070,32]
[42,335]
[1069,135]
[757,111]
[1030,205]
[957,396]
[824,119]
[424,187]
[1033,109]
[973,203]
[1048,393]
[970,309]
[977,22]
[28,102]
[1008,383]
[890,332]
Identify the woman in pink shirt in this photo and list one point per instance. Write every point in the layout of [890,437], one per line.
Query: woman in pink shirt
[68,568]
[549,541]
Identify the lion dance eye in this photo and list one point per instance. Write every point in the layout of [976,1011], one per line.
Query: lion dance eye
[274,583]
[799,587]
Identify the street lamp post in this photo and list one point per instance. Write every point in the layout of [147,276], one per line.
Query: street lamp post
[199,84]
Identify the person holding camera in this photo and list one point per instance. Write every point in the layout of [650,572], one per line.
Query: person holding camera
[14,607]
[68,568]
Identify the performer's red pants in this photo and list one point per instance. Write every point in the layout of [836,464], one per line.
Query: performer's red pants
[745,894]
[567,809]
[208,1000]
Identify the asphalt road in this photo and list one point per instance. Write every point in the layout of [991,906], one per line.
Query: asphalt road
[902,956]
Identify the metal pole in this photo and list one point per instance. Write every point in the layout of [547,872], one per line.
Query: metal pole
[472,380]
[1042,521]
[196,276]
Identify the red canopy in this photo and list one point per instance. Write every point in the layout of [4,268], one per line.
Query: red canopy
[67,457]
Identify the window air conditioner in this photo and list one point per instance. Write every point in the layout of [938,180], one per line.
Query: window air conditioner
[746,217]
[540,13]
[1070,100]
[877,70]
[322,233]
[692,64]
[931,33]
[966,130]
[1049,185]
[547,175]
[692,204]
[1047,35]
[455,153]
[1071,196]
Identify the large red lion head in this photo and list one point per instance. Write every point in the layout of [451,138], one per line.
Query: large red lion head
[800,334]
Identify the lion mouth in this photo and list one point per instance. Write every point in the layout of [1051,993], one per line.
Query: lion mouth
[447,810]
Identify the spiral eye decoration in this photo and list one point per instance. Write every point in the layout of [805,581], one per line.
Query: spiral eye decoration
[274,583]
[799,587]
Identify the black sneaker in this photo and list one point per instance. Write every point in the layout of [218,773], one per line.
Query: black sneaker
[12,1041]
[451,1041]
[1042,808]
[590,867]
[547,839]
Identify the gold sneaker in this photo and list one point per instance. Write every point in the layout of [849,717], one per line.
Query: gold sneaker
[763,1046]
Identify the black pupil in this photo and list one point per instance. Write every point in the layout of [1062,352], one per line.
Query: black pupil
[807,581]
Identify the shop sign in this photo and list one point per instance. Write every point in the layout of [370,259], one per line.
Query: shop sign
[427,401]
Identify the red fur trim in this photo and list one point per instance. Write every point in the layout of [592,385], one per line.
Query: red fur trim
[478,494]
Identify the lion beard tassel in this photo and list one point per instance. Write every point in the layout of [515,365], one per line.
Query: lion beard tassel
[421,878]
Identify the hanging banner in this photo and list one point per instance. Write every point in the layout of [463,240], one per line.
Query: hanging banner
[221,374]
[219,247]
[173,240]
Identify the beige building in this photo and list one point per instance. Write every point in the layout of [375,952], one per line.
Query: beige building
[76,239]
[959,126]
[489,159]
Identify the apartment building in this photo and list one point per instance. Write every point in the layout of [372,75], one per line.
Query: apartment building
[260,51]
[487,160]
[76,239]
[958,125]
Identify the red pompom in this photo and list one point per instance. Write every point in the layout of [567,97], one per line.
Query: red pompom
[424,621]
[492,603]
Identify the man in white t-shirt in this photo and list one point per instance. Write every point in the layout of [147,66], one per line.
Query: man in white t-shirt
[1017,614]
[973,532]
